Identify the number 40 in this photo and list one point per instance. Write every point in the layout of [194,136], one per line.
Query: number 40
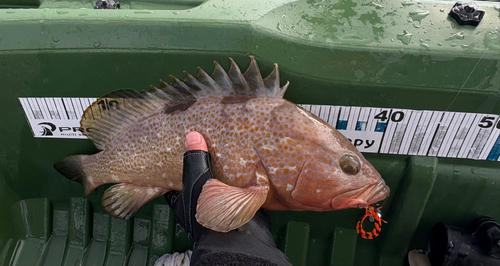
[395,117]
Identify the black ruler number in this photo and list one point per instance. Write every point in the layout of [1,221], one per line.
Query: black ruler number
[395,117]
[487,122]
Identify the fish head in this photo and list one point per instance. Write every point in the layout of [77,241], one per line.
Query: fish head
[330,173]
[333,180]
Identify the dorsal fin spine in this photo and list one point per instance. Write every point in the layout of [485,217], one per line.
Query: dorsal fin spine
[134,105]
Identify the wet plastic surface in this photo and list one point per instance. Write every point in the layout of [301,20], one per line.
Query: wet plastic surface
[391,54]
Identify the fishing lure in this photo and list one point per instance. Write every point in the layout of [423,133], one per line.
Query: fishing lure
[374,217]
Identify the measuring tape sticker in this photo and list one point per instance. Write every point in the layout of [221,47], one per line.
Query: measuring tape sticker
[372,130]
[55,117]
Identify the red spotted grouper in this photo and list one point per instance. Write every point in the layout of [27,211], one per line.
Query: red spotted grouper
[266,151]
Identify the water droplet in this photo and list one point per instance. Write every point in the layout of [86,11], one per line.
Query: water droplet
[61,12]
[278,26]
[416,26]
[440,44]
[175,12]
[453,44]
[392,40]
[405,37]
[41,21]
[465,46]
[11,12]
[408,3]
[425,45]
[376,5]
[143,12]
[457,36]
[419,14]
[441,10]
[97,44]
[55,39]
[214,5]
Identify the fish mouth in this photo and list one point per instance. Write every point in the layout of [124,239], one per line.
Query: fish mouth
[361,197]
[379,192]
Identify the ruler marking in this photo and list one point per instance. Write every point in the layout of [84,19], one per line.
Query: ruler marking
[89,104]
[44,103]
[402,133]
[38,113]
[31,108]
[43,107]
[60,110]
[27,109]
[82,103]
[495,151]
[423,131]
[409,132]
[488,146]
[38,109]
[52,105]
[352,118]
[464,151]
[471,119]
[455,131]
[479,135]
[334,116]
[73,108]
[385,130]
[429,131]
[329,112]
[443,130]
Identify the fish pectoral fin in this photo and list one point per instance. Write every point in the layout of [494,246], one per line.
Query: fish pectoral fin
[223,208]
[123,200]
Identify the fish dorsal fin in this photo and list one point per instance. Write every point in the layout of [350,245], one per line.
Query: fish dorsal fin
[118,110]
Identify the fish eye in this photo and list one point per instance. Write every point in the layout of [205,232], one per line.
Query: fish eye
[349,164]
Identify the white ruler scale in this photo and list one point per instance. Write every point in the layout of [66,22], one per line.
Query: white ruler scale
[372,130]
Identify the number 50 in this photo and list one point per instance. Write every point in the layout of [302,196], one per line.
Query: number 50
[487,122]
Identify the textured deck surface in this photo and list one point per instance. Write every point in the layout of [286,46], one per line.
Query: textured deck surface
[73,235]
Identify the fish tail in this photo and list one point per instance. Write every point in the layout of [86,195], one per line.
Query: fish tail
[71,167]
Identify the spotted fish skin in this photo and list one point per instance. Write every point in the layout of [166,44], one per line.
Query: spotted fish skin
[266,151]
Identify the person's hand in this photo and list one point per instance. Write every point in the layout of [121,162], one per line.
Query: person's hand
[196,165]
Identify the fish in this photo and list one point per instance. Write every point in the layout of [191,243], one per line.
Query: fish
[266,152]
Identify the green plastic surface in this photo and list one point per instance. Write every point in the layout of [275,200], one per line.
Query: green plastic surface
[394,54]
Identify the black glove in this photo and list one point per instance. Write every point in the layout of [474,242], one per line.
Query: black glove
[195,174]
[251,244]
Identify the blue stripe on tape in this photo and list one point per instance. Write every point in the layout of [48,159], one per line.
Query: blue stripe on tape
[342,125]
[495,151]
[380,127]
[361,126]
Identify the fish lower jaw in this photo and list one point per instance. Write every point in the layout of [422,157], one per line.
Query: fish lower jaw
[338,204]
[378,193]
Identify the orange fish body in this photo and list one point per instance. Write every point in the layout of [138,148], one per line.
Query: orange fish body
[266,151]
